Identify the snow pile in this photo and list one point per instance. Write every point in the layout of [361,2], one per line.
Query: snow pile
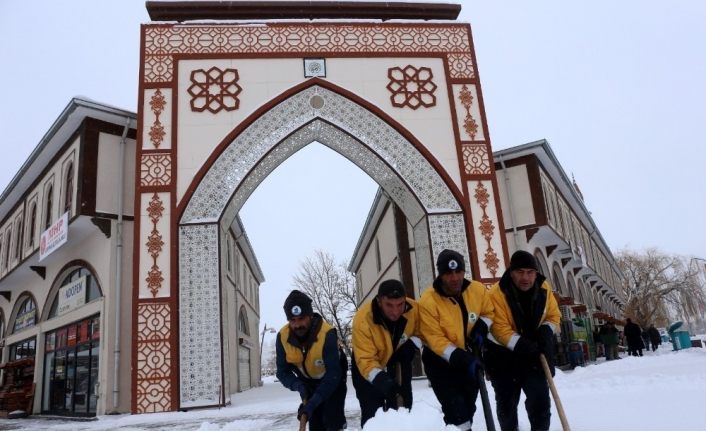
[422,417]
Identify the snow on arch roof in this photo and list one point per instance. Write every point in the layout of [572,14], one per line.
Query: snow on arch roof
[297,9]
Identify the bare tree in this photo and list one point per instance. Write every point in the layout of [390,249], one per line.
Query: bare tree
[332,289]
[657,286]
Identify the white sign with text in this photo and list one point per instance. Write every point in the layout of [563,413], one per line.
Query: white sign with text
[72,296]
[54,237]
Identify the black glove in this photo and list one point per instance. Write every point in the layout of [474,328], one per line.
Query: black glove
[545,340]
[465,362]
[479,332]
[527,348]
[385,385]
[405,353]
[545,343]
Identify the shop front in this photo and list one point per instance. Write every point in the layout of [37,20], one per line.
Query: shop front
[71,369]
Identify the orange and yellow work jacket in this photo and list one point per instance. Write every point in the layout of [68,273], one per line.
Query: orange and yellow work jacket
[505,331]
[372,339]
[441,316]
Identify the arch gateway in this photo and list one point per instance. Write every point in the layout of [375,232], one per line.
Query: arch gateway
[223,103]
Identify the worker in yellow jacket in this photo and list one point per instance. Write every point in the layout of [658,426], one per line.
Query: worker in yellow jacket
[526,321]
[310,361]
[385,341]
[454,313]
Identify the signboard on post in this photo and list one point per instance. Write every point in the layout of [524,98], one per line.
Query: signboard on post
[54,237]
[72,296]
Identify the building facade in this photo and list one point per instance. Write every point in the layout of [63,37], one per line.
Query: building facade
[66,265]
[543,212]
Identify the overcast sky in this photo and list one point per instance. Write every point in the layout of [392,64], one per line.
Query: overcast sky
[617,88]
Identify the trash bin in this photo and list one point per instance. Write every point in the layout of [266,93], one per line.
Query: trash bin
[681,340]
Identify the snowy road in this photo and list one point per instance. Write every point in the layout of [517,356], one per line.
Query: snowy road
[660,391]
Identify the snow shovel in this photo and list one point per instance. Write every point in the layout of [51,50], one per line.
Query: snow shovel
[398,379]
[555,395]
[480,378]
[302,420]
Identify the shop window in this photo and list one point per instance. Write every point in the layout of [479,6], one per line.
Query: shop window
[23,349]
[32,224]
[48,206]
[71,368]
[83,282]
[69,188]
[26,315]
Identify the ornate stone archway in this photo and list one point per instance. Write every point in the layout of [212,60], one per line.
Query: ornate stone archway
[220,108]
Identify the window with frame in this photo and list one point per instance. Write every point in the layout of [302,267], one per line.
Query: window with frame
[32,223]
[8,244]
[69,187]
[18,240]
[26,315]
[23,349]
[243,322]
[48,204]
[93,291]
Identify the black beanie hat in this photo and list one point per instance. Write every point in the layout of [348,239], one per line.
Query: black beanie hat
[523,260]
[448,261]
[391,289]
[297,304]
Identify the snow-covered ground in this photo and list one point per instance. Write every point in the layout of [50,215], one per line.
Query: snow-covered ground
[664,390]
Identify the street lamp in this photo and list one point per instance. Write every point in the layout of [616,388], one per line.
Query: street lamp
[265,330]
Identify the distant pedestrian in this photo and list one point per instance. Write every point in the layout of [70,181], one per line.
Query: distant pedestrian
[633,334]
[645,338]
[610,338]
[655,337]
[598,342]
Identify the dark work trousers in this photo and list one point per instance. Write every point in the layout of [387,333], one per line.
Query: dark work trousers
[330,415]
[370,399]
[507,387]
[455,390]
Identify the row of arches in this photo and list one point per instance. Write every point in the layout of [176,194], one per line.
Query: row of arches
[26,313]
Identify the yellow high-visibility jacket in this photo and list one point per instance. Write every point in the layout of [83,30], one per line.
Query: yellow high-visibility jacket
[505,331]
[311,362]
[441,319]
[372,341]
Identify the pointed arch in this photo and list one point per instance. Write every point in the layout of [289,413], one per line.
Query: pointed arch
[315,111]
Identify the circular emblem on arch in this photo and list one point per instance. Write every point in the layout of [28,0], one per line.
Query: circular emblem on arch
[296,310]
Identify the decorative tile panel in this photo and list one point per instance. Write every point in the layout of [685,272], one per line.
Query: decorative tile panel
[468,112]
[154,360]
[488,237]
[156,119]
[475,159]
[448,231]
[162,42]
[155,248]
[199,316]
[153,396]
[239,159]
[411,87]
[155,169]
[461,66]
[214,90]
